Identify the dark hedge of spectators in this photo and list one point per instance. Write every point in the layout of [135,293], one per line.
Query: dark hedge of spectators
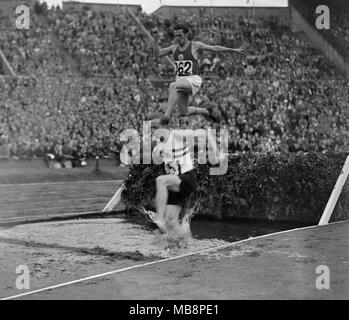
[281,96]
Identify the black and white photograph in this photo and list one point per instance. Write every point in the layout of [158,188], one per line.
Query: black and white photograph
[182,151]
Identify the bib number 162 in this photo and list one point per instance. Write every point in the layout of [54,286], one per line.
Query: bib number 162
[184,68]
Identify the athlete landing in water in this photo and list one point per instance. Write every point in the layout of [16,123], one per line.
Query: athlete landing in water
[178,182]
[188,82]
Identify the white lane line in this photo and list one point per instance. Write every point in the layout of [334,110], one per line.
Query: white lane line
[61,182]
[163,260]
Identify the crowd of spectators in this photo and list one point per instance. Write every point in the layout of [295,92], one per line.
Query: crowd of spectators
[106,43]
[337,32]
[82,116]
[281,96]
[86,118]
[272,50]
[31,51]
[110,43]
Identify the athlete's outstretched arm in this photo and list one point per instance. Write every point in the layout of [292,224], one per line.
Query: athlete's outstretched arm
[161,52]
[205,47]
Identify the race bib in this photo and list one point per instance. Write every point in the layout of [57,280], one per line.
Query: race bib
[184,68]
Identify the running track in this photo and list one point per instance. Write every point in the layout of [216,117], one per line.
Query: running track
[281,265]
[54,198]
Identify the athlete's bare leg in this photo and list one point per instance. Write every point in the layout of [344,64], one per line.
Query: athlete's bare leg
[184,110]
[172,99]
[171,103]
[164,184]
[182,102]
[184,90]
[179,93]
[172,222]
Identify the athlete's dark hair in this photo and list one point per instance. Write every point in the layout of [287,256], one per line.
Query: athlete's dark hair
[181,26]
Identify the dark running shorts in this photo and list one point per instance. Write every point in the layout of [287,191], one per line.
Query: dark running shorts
[186,187]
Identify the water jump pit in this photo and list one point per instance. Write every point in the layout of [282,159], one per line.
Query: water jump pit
[116,259]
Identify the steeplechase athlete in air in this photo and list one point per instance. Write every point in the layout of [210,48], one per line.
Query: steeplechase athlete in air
[188,82]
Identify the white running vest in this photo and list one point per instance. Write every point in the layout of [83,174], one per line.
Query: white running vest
[177,158]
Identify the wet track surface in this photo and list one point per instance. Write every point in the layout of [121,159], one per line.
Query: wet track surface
[139,266]
[36,199]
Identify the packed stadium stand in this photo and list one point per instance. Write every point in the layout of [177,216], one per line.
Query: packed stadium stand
[338,32]
[282,95]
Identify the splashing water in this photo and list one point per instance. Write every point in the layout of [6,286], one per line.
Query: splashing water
[179,240]
[154,217]
[180,233]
